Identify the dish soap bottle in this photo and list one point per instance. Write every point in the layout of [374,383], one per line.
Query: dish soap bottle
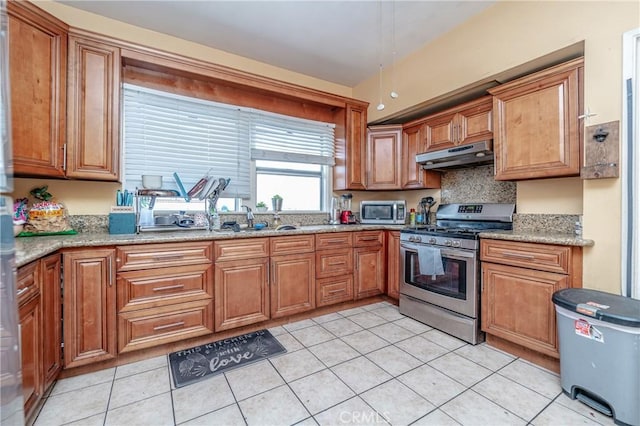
[412,217]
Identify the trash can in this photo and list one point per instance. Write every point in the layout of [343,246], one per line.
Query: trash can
[599,339]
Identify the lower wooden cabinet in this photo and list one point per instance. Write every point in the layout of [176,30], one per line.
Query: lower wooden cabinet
[52,318]
[89,306]
[518,280]
[369,257]
[292,284]
[241,293]
[334,290]
[393,264]
[31,349]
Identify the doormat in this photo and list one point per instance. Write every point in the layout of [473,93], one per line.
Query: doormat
[192,365]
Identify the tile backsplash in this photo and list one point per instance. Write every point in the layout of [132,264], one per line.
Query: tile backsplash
[475,184]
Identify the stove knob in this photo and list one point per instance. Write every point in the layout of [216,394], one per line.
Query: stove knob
[412,239]
[432,241]
[455,244]
[448,243]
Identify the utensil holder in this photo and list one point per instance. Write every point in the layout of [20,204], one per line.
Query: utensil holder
[276,204]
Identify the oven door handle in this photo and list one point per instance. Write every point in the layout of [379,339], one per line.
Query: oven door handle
[444,251]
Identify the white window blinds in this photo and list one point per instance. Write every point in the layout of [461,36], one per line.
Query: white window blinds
[281,138]
[166,133]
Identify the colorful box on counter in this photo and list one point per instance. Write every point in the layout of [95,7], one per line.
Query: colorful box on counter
[122,221]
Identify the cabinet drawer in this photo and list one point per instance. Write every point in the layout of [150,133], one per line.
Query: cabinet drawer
[163,286]
[330,263]
[334,290]
[292,245]
[543,257]
[147,256]
[368,238]
[28,284]
[334,240]
[246,248]
[151,327]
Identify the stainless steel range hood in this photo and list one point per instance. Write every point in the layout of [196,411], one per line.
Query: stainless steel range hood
[475,154]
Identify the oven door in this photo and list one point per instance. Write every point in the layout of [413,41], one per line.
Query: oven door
[456,290]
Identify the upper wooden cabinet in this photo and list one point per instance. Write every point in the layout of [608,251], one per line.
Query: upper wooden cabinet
[466,123]
[349,171]
[93,115]
[383,157]
[38,68]
[537,129]
[412,175]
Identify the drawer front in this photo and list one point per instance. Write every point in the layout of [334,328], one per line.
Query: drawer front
[368,238]
[246,248]
[334,240]
[152,327]
[148,256]
[334,290]
[331,263]
[163,286]
[28,283]
[542,257]
[292,245]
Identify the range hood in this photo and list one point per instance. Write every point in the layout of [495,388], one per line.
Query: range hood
[475,154]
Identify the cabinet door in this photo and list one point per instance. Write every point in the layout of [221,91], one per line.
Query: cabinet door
[393,264]
[241,293]
[474,121]
[383,157]
[93,134]
[369,271]
[38,68]
[536,131]
[349,172]
[51,319]
[292,284]
[412,175]
[89,306]
[516,306]
[31,350]
[440,131]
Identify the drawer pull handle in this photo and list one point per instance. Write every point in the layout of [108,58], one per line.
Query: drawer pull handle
[163,327]
[169,287]
[336,263]
[22,290]
[368,238]
[520,255]
[168,257]
[336,291]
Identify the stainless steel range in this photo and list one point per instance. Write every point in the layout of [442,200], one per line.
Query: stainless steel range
[440,271]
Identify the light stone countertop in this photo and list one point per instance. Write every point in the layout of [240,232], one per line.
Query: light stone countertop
[530,236]
[29,249]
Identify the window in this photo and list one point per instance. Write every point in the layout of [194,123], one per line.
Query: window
[263,153]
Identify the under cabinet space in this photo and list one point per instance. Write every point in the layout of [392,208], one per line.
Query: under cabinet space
[147,256]
[151,327]
[163,286]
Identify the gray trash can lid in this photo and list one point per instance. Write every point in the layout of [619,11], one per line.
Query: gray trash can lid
[603,306]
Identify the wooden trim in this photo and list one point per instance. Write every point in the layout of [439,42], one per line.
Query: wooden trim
[159,60]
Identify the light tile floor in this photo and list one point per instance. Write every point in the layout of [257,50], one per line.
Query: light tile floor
[367,365]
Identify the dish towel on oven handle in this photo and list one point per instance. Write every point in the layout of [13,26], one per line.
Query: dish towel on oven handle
[430,261]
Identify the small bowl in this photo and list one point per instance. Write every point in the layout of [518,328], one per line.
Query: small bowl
[152,181]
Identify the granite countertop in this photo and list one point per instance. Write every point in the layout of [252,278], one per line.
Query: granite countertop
[531,236]
[29,249]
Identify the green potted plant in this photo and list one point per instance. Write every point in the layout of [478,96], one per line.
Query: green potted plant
[261,206]
[276,202]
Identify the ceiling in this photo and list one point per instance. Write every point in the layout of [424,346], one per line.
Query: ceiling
[339,41]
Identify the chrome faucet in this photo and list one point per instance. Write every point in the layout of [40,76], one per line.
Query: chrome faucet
[249,216]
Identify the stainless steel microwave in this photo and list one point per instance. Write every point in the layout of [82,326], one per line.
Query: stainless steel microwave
[383,212]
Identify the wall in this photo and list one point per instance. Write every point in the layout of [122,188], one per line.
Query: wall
[505,36]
